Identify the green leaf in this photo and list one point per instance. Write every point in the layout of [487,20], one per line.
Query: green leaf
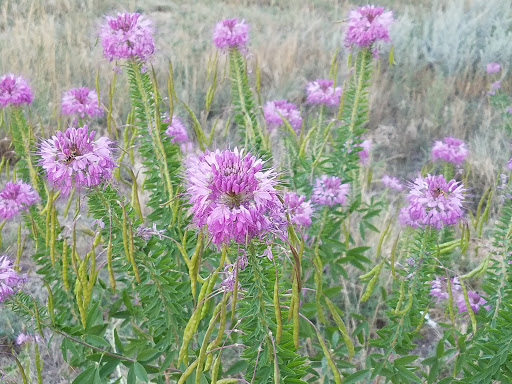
[140,372]
[86,377]
[97,341]
[357,377]
[405,360]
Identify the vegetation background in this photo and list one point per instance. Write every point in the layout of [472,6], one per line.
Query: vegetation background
[438,86]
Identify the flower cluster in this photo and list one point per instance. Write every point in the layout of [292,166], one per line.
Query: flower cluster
[450,150]
[329,191]
[178,134]
[127,36]
[82,102]
[75,159]
[15,91]
[275,111]
[433,202]
[323,92]
[25,338]
[299,210]
[439,290]
[16,197]
[493,68]
[367,25]
[392,182]
[230,194]
[494,87]
[9,278]
[364,154]
[230,33]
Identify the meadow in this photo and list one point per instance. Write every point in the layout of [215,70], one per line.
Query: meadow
[288,197]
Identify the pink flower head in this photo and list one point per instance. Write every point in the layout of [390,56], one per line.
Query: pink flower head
[493,68]
[274,111]
[299,210]
[367,25]
[230,33]
[329,191]
[322,92]
[15,91]
[16,197]
[364,155]
[494,87]
[475,301]
[435,202]
[24,338]
[439,288]
[230,194]
[82,102]
[392,182]
[75,159]
[450,150]
[176,130]
[127,36]
[9,278]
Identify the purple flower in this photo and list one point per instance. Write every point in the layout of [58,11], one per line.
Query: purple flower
[439,289]
[16,197]
[24,338]
[176,130]
[147,233]
[9,278]
[82,102]
[364,155]
[127,36]
[14,90]
[475,301]
[367,25]
[322,92]
[450,150]
[299,210]
[392,182]
[405,220]
[435,202]
[230,194]
[329,191]
[494,87]
[493,68]
[274,111]
[230,33]
[75,159]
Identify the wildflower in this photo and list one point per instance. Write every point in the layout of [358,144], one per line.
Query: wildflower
[14,90]
[364,154]
[230,33]
[275,111]
[81,101]
[475,302]
[127,36]
[75,159]
[329,191]
[230,194]
[392,182]
[494,87]
[450,150]
[147,233]
[367,25]
[493,68]
[323,92]
[24,338]
[98,225]
[435,202]
[15,197]
[268,253]
[176,130]
[9,278]
[439,288]
[298,208]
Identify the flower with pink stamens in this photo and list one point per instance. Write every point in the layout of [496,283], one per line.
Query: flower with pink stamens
[82,102]
[329,191]
[14,90]
[367,25]
[275,111]
[323,92]
[15,197]
[450,150]
[231,34]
